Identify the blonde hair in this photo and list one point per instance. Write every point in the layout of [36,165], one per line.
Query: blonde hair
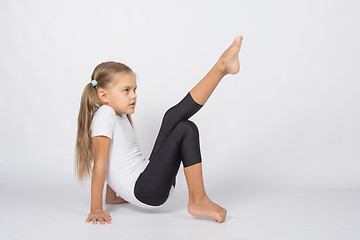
[90,102]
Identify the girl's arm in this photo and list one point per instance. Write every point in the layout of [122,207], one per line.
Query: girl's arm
[101,146]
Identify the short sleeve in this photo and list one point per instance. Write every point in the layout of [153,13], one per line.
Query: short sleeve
[103,122]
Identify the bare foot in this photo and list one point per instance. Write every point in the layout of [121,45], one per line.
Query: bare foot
[229,60]
[115,200]
[207,208]
[111,198]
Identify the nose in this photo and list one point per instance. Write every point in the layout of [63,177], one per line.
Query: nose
[134,95]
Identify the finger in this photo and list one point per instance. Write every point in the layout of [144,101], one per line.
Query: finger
[107,216]
[105,220]
[89,219]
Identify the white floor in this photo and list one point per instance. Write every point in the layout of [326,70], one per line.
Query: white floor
[59,212]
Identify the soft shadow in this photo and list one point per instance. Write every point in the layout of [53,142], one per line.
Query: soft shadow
[227,219]
[172,204]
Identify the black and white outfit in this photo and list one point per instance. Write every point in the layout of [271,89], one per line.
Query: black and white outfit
[148,183]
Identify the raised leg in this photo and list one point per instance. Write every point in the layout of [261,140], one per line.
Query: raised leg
[228,63]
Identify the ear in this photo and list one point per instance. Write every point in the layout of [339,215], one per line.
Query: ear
[103,95]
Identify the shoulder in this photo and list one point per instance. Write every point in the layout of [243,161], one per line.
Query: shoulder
[103,122]
[105,110]
[105,114]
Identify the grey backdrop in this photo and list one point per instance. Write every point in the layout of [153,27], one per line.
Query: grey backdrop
[289,118]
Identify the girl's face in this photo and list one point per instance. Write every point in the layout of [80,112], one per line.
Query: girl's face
[122,95]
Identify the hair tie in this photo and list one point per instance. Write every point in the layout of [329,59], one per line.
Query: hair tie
[94,82]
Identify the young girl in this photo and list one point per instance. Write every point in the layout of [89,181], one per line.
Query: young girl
[105,137]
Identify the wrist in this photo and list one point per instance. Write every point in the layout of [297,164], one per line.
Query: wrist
[94,209]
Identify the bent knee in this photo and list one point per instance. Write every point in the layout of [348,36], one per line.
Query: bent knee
[188,126]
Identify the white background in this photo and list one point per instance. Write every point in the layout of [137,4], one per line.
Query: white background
[289,119]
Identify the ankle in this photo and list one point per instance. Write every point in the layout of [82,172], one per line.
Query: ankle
[220,68]
[196,199]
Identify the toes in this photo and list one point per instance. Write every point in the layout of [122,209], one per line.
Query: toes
[238,41]
[219,218]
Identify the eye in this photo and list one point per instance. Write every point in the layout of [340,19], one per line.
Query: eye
[125,89]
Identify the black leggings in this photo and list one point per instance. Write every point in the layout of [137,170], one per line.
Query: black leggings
[177,141]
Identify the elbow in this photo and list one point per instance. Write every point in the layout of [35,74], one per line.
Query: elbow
[101,166]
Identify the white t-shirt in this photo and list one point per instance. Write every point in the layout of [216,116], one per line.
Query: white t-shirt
[126,161]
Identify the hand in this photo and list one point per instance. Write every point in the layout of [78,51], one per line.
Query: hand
[99,215]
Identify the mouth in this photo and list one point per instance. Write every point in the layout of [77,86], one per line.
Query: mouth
[133,104]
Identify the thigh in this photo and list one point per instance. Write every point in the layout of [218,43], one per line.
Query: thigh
[154,183]
[183,110]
